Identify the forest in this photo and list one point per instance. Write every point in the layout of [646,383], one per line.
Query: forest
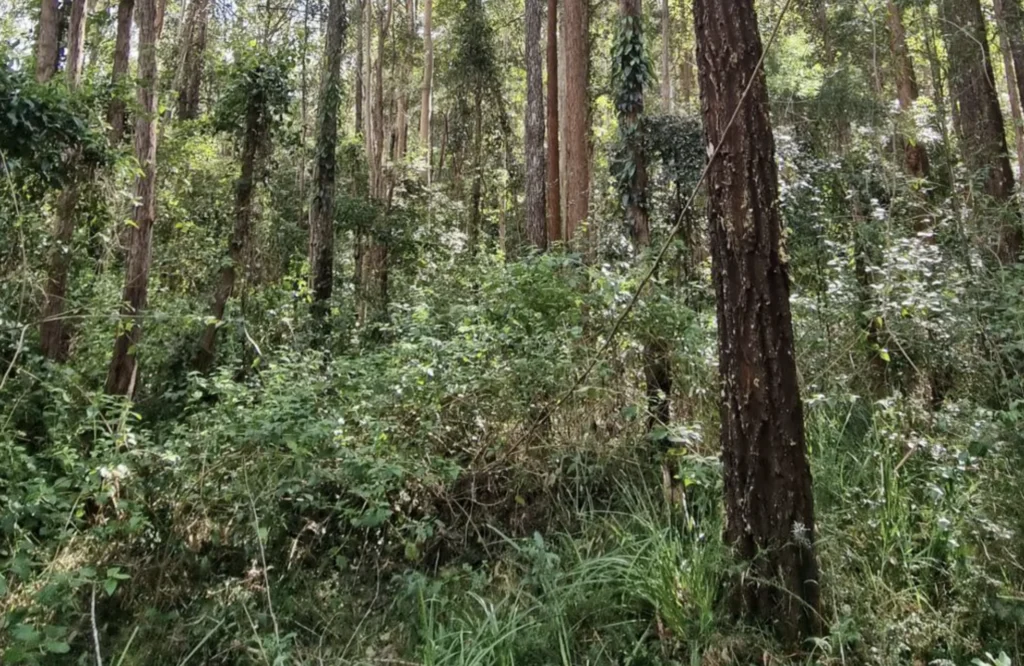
[512,332]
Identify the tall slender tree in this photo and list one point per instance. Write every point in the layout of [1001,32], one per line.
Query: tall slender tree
[321,210]
[428,78]
[768,500]
[554,187]
[122,57]
[53,331]
[1011,65]
[123,370]
[533,133]
[193,49]
[260,90]
[667,101]
[1011,19]
[978,116]
[577,116]
[915,158]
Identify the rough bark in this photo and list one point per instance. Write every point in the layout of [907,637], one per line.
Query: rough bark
[321,210]
[48,41]
[554,187]
[402,103]
[193,45]
[122,374]
[536,231]
[122,55]
[915,155]
[979,118]
[428,78]
[769,505]
[1011,66]
[577,144]
[667,101]
[245,186]
[75,54]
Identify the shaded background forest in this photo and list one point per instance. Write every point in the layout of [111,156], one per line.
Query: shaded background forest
[316,347]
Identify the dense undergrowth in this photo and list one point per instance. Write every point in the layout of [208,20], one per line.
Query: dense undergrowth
[394,502]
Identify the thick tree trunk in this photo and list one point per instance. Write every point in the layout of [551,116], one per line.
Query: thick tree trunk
[122,374]
[321,210]
[122,56]
[577,102]
[193,45]
[1010,67]
[554,187]
[533,132]
[667,102]
[245,186]
[915,156]
[980,120]
[428,79]
[75,54]
[769,505]
[48,41]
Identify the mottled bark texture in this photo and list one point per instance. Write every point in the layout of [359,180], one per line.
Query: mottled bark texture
[629,103]
[554,185]
[75,54]
[533,132]
[193,48]
[321,209]
[47,40]
[915,155]
[769,505]
[122,55]
[979,118]
[577,116]
[245,186]
[122,374]
[1011,18]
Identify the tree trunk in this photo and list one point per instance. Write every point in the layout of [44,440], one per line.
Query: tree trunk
[915,156]
[577,145]
[373,288]
[53,333]
[475,218]
[769,505]
[122,56]
[48,41]
[75,55]
[360,17]
[193,45]
[428,79]
[553,190]
[1010,66]
[667,102]
[245,186]
[321,210]
[629,106]
[122,374]
[1011,16]
[402,104]
[982,133]
[533,132]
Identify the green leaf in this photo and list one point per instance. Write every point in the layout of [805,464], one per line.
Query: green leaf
[56,647]
[110,586]
[884,354]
